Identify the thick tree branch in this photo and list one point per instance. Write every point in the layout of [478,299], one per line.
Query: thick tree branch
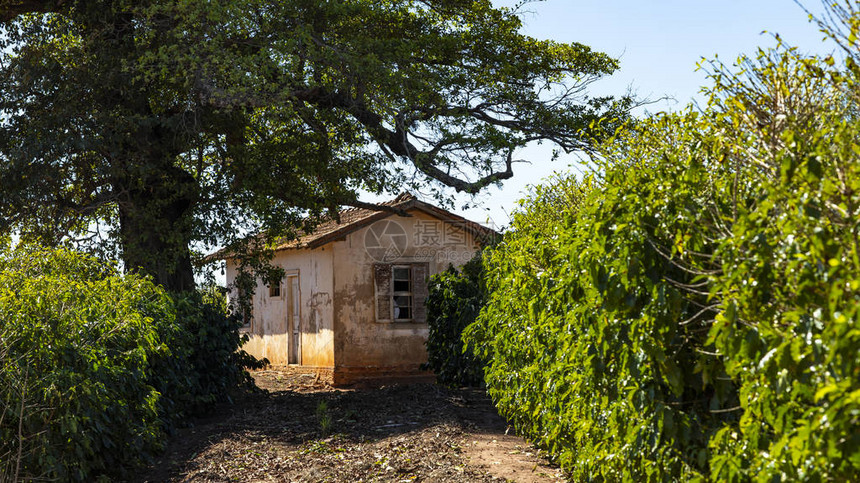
[397,140]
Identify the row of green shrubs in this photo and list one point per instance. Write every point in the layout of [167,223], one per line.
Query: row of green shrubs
[691,311]
[454,300]
[97,367]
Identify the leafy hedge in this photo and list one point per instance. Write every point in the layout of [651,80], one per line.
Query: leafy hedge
[95,365]
[693,311]
[583,330]
[455,298]
[205,364]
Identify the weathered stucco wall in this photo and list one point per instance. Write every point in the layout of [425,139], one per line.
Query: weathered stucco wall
[364,347]
[338,316]
[268,332]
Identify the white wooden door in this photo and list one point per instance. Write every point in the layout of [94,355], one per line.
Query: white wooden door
[294,320]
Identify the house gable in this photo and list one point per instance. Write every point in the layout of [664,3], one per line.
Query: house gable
[354,219]
[363,286]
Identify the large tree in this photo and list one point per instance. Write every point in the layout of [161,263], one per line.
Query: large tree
[182,122]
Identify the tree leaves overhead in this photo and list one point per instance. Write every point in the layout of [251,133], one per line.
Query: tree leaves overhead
[250,112]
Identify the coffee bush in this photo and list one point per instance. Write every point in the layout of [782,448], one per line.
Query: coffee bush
[96,366]
[691,310]
[455,298]
[76,340]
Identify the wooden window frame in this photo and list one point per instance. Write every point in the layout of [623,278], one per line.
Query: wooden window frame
[384,293]
[276,291]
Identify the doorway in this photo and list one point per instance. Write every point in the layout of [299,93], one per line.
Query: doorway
[294,320]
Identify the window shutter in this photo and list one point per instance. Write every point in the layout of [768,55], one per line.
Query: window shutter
[382,283]
[420,273]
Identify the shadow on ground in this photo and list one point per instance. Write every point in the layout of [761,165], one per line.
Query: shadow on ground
[299,430]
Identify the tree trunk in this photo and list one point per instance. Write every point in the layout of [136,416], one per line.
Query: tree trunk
[156,226]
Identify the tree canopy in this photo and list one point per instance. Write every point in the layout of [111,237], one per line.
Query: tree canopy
[171,124]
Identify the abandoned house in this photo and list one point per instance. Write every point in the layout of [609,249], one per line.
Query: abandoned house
[350,307]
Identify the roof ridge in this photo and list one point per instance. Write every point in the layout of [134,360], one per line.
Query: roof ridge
[354,217]
[404,196]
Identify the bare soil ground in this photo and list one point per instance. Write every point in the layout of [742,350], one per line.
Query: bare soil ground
[299,430]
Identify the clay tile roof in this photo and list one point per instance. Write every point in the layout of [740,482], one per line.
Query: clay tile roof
[352,219]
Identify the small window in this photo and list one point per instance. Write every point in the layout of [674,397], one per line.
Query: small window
[275,290]
[401,279]
[401,291]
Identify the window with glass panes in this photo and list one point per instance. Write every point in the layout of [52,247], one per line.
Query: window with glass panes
[275,289]
[400,292]
[401,280]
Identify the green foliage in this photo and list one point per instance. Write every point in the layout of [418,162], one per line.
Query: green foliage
[95,366]
[454,301]
[323,417]
[193,122]
[789,324]
[692,310]
[591,338]
[205,364]
[77,340]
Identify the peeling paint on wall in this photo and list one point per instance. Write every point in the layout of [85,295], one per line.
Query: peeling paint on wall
[339,325]
[360,340]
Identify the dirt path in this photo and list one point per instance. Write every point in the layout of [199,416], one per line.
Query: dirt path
[297,430]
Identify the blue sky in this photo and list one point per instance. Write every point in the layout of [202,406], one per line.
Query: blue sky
[659,43]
